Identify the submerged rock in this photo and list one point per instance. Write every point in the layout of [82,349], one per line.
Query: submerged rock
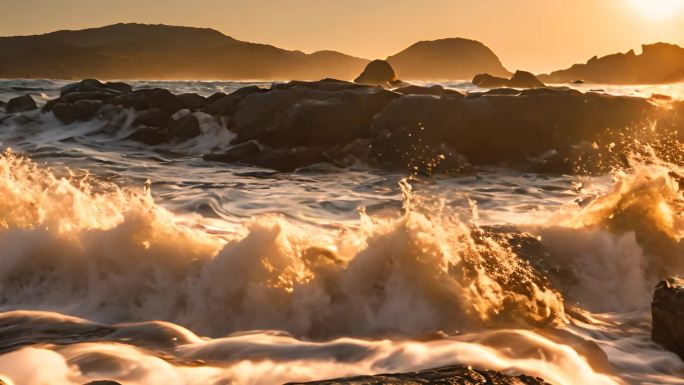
[521,79]
[668,314]
[451,375]
[20,104]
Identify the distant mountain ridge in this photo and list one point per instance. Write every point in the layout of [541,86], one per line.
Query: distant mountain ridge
[141,51]
[658,63]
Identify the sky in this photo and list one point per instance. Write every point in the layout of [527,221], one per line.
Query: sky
[535,35]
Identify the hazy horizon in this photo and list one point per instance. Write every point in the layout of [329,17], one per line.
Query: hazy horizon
[525,34]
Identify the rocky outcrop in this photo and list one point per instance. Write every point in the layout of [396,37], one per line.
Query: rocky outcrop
[446,59]
[413,128]
[452,375]
[20,104]
[668,312]
[658,63]
[521,79]
[378,73]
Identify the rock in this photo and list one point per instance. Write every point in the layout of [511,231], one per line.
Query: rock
[287,159]
[149,135]
[489,81]
[521,79]
[226,104]
[162,99]
[184,128]
[378,73]
[119,86]
[436,90]
[65,113]
[451,375]
[193,101]
[578,81]
[133,100]
[153,117]
[103,382]
[235,153]
[214,97]
[305,116]
[94,85]
[524,79]
[88,95]
[86,109]
[20,104]
[668,312]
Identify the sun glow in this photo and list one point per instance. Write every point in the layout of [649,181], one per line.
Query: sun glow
[658,9]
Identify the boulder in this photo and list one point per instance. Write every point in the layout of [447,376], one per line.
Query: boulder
[524,79]
[489,81]
[65,112]
[668,312]
[226,104]
[20,104]
[119,86]
[133,100]
[287,159]
[153,117]
[94,85]
[103,382]
[378,73]
[236,153]
[73,97]
[149,135]
[193,101]
[184,128]
[451,375]
[436,90]
[214,97]
[81,110]
[162,99]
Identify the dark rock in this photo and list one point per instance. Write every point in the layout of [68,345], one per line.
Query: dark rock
[578,81]
[153,117]
[489,81]
[184,128]
[86,109]
[378,73]
[134,100]
[103,382]
[452,375]
[65,112]
[119,86]
[20,104]
[502,91]
[193,101]
[287,159]
[162,99]
[436,90]
[668,312]
[524,79]
[149,135]
[320,85]
[73,97]
[227,103]
[214,97]
[235,153]
[305,116]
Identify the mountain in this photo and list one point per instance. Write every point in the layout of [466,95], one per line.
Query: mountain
[658,63]
[140,51]
[446,59]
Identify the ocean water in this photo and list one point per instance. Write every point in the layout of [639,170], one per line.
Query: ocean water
[151,266]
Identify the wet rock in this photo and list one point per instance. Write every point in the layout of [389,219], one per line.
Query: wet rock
[153,117]
[668,312]
[88,95]
[162,99]
[149,135]
[524,79]
[119,86]
[184,128]
[20,104]
[65,112]
[436,90]
[193,101]
[86,109]
[94,85]
[287,159]
[133,100]
[216,96]
[235,153]
[489,81]
[226,104]
[378,73]
[452,375]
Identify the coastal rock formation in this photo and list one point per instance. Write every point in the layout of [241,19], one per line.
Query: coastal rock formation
[454,58]
[658,63]
[521,79]
[378,73]
[20,104]
[668,313]
[452,375]
[139,51]
[415,129]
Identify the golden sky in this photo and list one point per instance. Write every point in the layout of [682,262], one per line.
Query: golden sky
[537,35]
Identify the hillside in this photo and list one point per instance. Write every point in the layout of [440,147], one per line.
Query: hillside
[452,59]
[139,51]
[658,63]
